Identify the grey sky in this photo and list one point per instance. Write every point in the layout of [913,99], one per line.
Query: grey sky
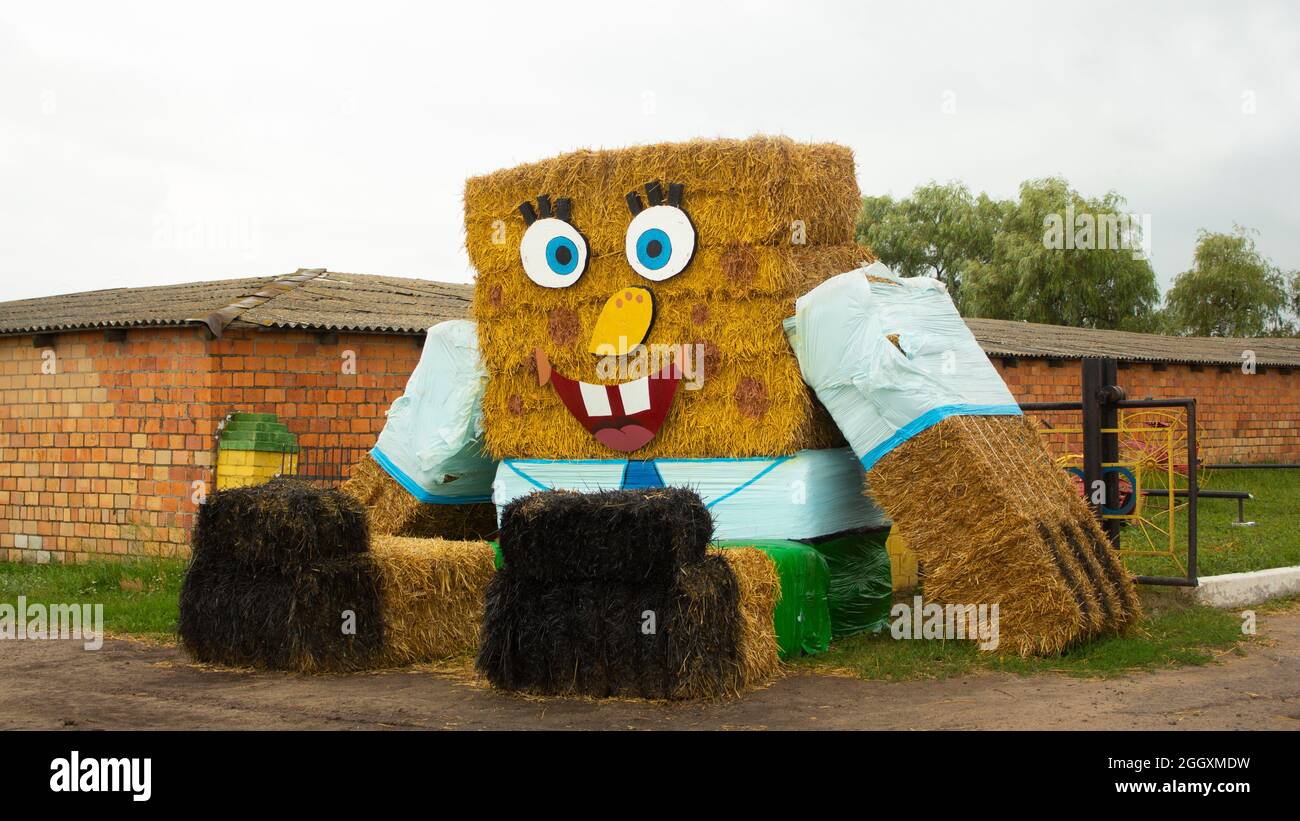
[148,143]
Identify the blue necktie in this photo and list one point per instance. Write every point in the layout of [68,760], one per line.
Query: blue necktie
[641,473]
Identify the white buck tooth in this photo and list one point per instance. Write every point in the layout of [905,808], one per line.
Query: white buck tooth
[596,399]
[635,395]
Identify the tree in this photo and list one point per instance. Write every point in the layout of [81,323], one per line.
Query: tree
[937,231]
[1295,300]
[1230,290]
[1063,259]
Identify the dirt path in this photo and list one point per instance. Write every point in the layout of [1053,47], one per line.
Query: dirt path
[128,685]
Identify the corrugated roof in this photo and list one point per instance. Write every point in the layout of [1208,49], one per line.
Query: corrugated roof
[363,302]
[125,307]
[315,299]
[1000,337]
[309,298]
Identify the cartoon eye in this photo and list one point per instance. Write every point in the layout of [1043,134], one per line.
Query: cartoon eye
[661,240]
[553,252]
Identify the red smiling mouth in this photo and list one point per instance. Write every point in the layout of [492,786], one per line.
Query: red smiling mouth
[622,417]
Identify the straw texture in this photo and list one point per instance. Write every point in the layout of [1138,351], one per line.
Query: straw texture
[395,512]
[432,596]
[992,520]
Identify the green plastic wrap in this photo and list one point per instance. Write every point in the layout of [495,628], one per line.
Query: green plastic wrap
[803,616]
[861,587]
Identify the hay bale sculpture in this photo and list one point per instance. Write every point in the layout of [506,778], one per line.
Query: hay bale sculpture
[627,307]
[627,342]
[628,329]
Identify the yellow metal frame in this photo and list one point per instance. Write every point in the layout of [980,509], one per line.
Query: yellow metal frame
[1137,516]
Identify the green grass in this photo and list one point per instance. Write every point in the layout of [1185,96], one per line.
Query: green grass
[149,611]
[1282,604]
[1274,541]
[1173,631]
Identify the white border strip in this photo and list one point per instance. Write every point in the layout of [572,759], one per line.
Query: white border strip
[1238,589]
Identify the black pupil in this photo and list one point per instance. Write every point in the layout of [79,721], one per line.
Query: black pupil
[654,248]
[563,255]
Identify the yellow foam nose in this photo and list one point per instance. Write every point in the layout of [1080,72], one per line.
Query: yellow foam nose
[623,322]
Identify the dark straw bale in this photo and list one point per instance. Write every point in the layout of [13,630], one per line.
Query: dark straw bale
[283,523]
[617,535]
[612,594]
[280,577]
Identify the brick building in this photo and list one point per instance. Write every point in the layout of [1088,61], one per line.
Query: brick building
[110,401]
[1247,391]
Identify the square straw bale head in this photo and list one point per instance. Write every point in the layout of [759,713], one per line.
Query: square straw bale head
[771,218]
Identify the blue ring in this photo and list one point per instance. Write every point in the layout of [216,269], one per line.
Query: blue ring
[555,245]
[1131,504]
[665,248]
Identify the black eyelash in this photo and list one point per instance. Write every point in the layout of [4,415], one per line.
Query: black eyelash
[654,193]
[563,209]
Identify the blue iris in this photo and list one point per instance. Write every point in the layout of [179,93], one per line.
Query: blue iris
[654,249]
[562,255]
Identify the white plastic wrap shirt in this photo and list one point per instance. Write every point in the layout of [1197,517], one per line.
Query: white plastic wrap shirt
[879,394]
[807,494]
[431,441]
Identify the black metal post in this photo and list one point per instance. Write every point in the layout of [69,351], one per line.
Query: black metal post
[1109,394]
[1100,412]
[1092,382]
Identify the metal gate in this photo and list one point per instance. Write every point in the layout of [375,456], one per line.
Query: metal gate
[1100,406]
[327,465]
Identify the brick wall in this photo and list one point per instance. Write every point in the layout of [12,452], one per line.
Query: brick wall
[99,443]
[102,442]
[302,380]
[1241,417]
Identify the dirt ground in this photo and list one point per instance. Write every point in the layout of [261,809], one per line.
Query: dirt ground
[133,685]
